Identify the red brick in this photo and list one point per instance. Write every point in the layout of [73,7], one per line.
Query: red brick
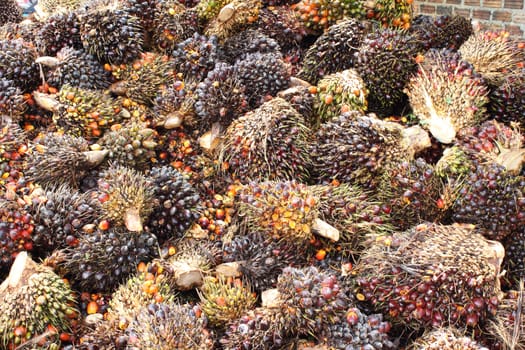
[481,14]
[513,4]
[491,26]
[427,9]
[472,3]
[514,30]
[503,16]
[493,3]
[444,10]
[455,2]
[462,12]
[518,18]
[435,1]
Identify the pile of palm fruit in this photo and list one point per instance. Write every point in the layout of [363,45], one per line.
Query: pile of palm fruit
[259,174]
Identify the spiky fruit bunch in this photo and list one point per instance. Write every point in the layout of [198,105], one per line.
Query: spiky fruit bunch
[413,192]
[61,216]
[16,229]
[340,92]
[24,30]
[9,12]
[447,338]
[514,262]
[284,210]
[493,199]
[303,101]
[268,143]
[174,105]
[506,101]
[75,68]
[17,63]
[173,24]
[263,75]
[34,299]
[225,299]
[446,95]
[131,145]
[170,326]
[454,163]
[208,9]
[357,148]
[281,24]
[357,330]
[143,10]
[354,212]
[13,147]
[142,80]
[385,86]
[82,112]
[220,97]
[196,56]
[314,298]
[126,196]
[61,159]
[441,31]
[492,55]
[394,14]
[260,259]
[319,15]
[177,201]
[234,17]
[218,213]
[258,329]
[246,42]
[46,8]
[59,31]
[492,141]
[12,101]
[432,275]
[112,35]
[507,329]
[103,259]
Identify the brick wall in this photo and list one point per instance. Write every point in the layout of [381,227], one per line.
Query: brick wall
[490,14]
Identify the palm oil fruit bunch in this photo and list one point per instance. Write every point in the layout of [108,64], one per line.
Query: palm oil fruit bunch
[17,63]
[208,9]
[105,258]
[196,56]
[110,33]
[447,338]
[492,198]
[12,101]
[82,112]
[173,23]
[36,305]
[10,12]
[446,95]
[57,159]
[13,148]
[220,97]
[514,261]
[263,75]
[492,54]
[340,92]
[16,229]
[356,213]
[218,213]
[506,101]
[440,32]
[131,144]
[432,275]
[45,8]
[144,10]
[174,105]
[61,216]
[314,298]
[168,326]
[225,299]
[507,329]
[260,259]
[319,15]
[268,143]
[357,148]
[126,196]
[413,192]
[248,41]
[75,68]
[142,80]
[177,202]
[285,210]
[394,14]
[60,30]
[385,85]
[260,328]
[234,17]
[358,331]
